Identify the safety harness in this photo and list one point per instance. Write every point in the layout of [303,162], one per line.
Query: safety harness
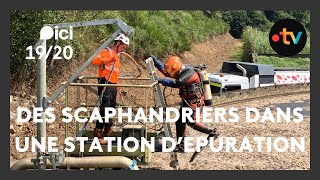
[195,90]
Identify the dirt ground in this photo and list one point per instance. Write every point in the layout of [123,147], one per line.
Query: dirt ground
[213,53]
[223,160]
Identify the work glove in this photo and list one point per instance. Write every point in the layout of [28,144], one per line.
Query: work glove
[161,80]
[154,58]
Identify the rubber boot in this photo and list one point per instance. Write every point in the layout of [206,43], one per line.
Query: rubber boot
[181,132]
[214,133]
[179,148]
[99,134]
[107,131]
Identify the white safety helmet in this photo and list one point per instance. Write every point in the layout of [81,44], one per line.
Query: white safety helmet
[124,39]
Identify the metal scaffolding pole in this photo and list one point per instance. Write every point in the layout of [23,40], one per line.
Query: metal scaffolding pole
[41,94]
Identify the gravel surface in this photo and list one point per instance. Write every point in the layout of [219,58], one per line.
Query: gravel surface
[208,160]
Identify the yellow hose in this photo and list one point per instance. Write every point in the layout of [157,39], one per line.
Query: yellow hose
[135,62]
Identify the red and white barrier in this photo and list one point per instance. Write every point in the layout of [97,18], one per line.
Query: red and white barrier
[291,77]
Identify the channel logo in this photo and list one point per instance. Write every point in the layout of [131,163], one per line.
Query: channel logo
[287,37]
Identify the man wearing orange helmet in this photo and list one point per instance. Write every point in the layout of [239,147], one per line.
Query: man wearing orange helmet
[188,81]
[108,61]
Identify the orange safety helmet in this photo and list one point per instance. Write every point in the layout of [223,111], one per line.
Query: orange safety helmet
[173,65]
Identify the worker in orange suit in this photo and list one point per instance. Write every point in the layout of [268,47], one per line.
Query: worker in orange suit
[188,80]
[108,61]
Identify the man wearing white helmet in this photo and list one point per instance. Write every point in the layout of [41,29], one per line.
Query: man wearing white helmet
[108,61]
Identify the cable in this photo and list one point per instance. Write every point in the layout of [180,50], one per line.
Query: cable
[135,62]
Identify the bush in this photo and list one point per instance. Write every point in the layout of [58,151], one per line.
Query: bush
[255,41]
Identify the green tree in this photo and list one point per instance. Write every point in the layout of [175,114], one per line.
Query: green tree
[24,29]
[237,20]
[258,20]
[302,16]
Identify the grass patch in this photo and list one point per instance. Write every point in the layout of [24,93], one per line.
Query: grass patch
[285,62]
[239,53]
